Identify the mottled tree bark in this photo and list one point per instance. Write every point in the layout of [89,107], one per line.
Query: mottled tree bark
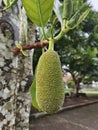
[15,73]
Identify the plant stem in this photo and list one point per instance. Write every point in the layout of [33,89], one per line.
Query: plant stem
[51,44]
[64,30]
[61,34]
[42,44]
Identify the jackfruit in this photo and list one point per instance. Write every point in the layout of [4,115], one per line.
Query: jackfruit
[49,83]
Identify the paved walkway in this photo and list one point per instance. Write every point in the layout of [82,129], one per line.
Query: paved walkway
[83,118]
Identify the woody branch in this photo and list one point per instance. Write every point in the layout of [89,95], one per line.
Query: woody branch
[43,43]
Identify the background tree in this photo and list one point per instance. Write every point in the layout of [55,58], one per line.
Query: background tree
[79,51]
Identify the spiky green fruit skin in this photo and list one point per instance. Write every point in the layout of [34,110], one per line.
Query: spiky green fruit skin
[49,84]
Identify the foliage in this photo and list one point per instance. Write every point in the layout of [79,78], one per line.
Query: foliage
[79,50]
[33,94]
[38,10]
[21,50]
[9,3]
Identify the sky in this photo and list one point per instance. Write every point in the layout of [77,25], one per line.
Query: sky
[94,3]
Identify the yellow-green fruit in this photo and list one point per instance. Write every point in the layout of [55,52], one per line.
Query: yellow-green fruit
[49,84]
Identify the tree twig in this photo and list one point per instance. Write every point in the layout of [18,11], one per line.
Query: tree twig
[43,43]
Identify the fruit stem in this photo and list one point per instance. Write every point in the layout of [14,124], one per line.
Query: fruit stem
[51,44]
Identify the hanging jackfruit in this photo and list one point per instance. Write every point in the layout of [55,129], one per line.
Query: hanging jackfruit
[49,84]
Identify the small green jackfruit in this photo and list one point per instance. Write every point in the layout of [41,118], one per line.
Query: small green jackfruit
[49,83]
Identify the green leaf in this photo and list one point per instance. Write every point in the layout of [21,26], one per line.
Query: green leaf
[6,2]
[83,16]
[77,19]
[21,50]
[9,3]
[19,46]
[24,52]
[38,11]
[33,94]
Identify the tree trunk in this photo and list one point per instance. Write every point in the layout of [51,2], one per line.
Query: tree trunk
[76,86]
[15,73]
[76,89]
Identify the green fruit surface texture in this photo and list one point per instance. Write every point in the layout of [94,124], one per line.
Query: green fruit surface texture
[49,83]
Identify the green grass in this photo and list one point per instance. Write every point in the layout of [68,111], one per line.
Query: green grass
[68,90]
[91,92]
